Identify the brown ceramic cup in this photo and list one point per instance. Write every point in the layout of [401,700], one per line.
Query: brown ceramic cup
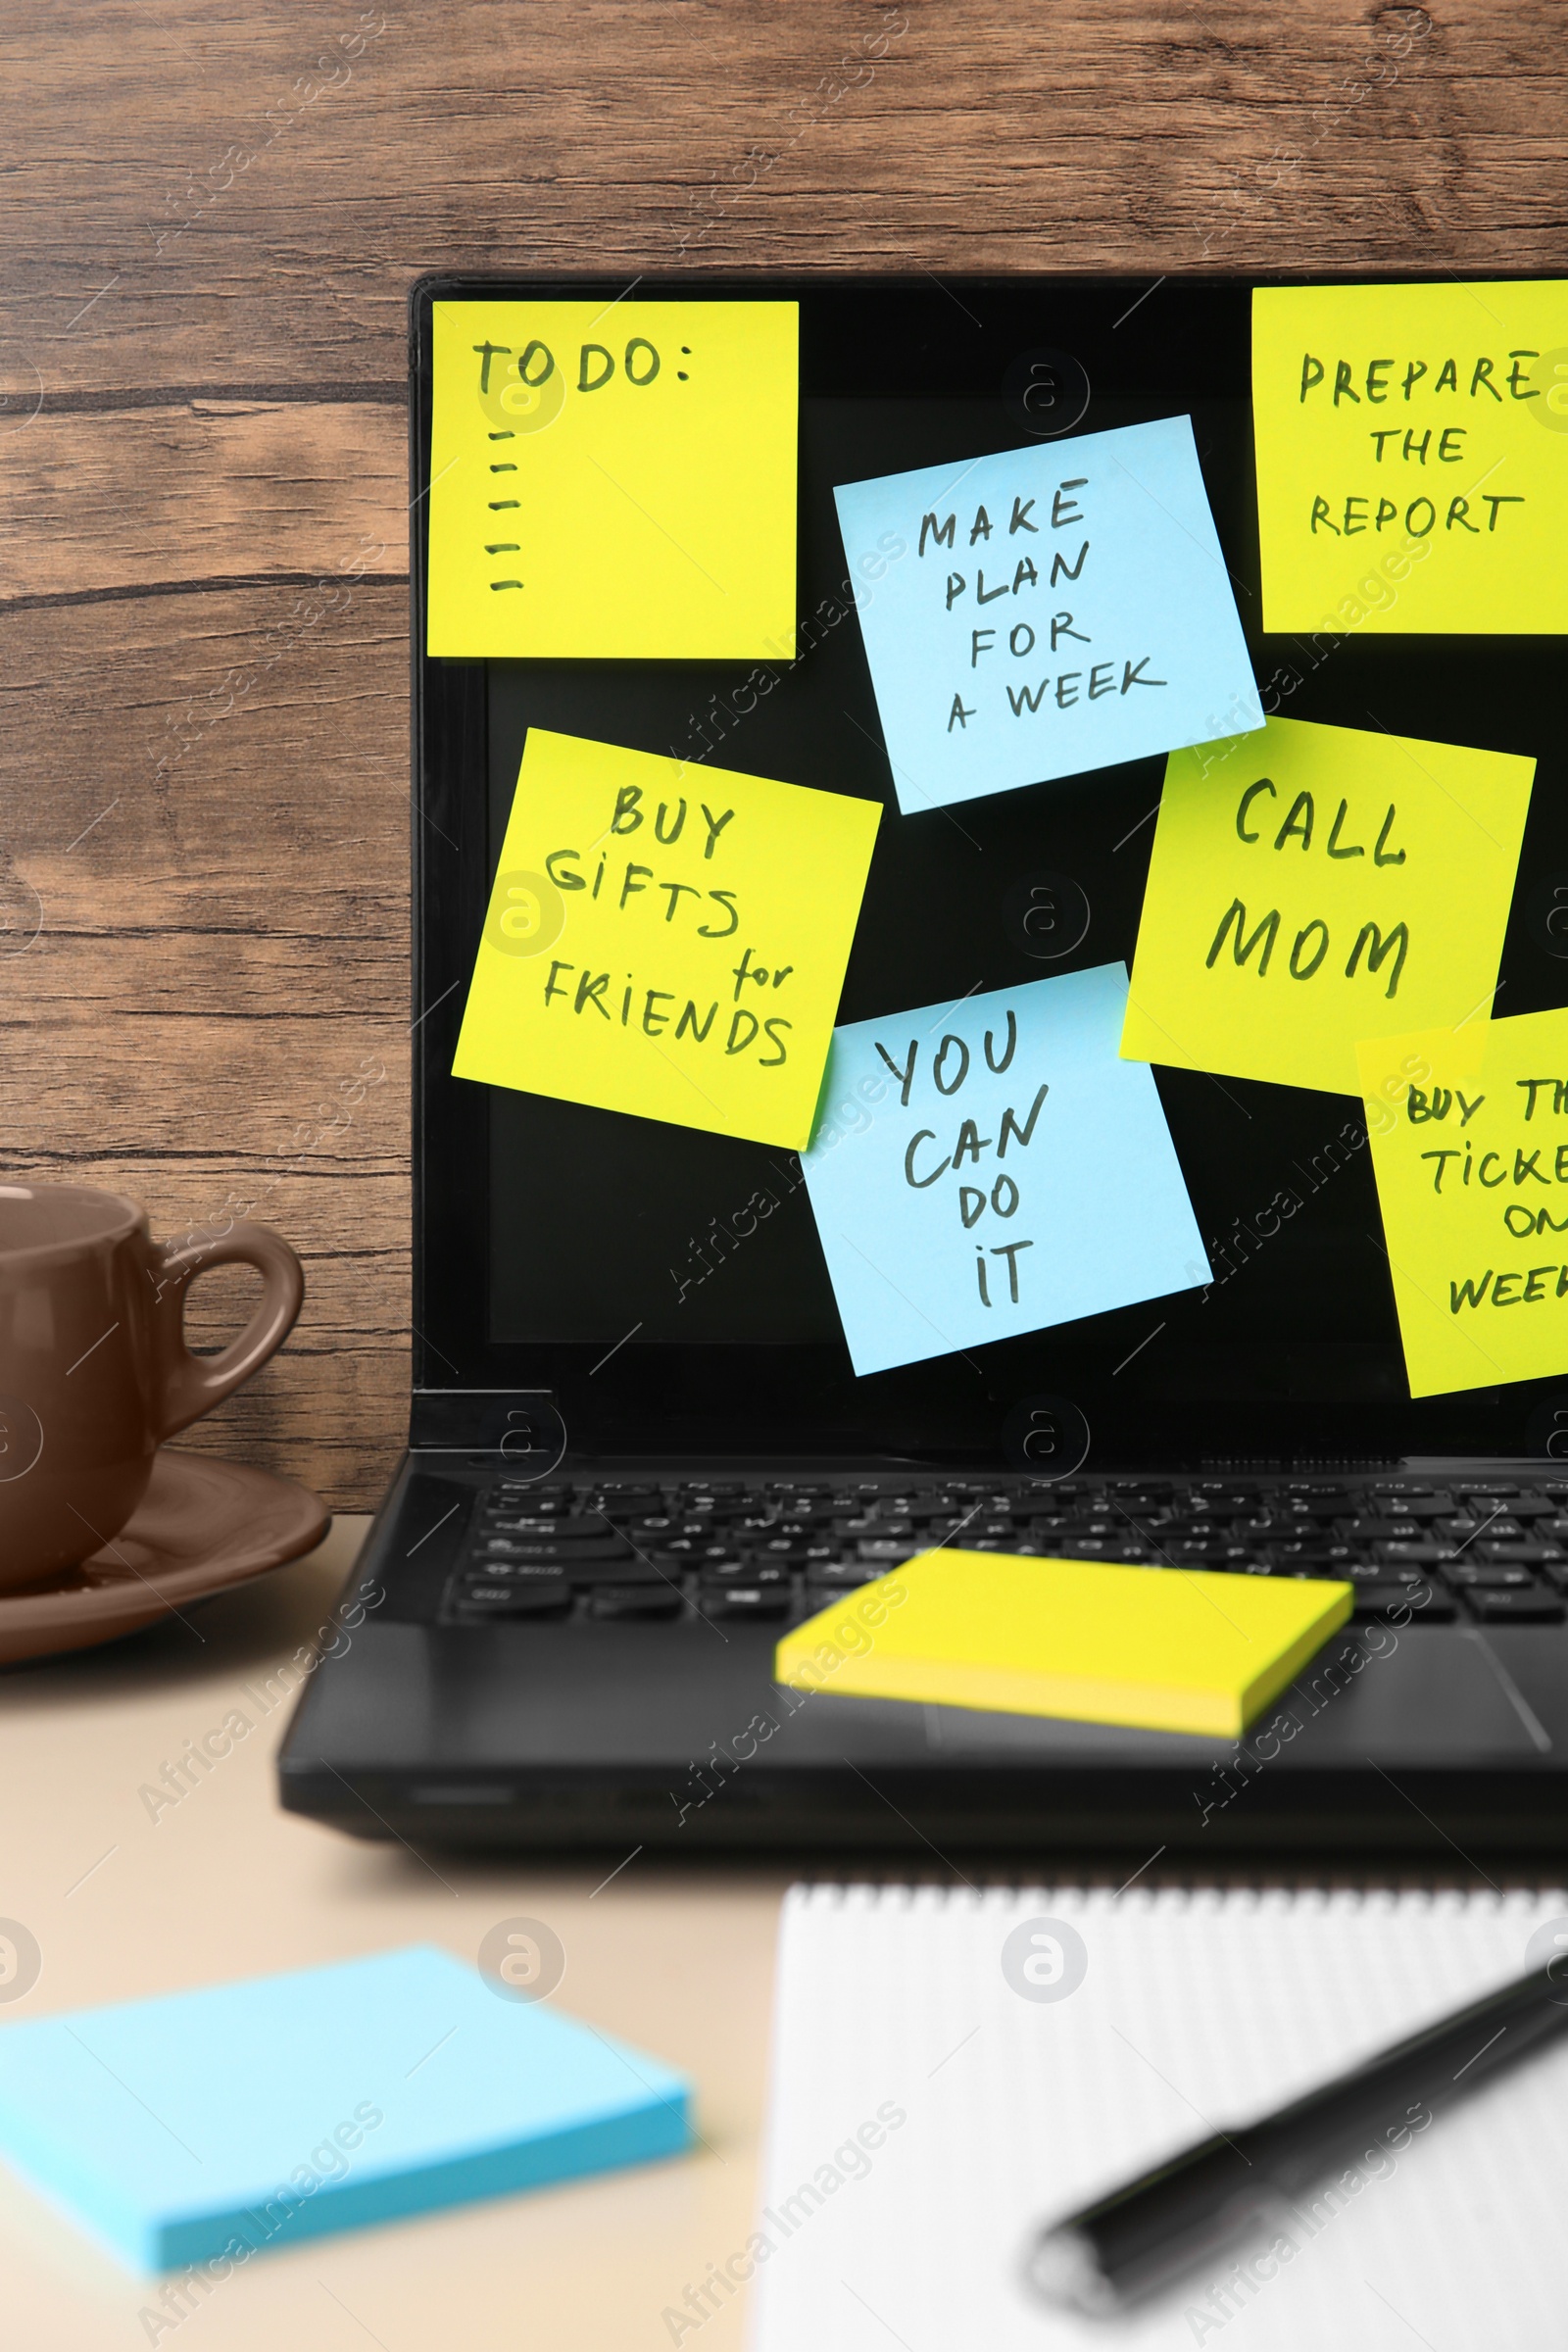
[94,1369]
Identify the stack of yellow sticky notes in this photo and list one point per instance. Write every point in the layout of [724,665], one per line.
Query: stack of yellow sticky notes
[1158,1648]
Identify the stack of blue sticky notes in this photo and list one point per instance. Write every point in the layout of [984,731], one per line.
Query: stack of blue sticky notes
[207,2125]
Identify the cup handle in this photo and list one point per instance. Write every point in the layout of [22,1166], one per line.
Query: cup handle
[193,1384]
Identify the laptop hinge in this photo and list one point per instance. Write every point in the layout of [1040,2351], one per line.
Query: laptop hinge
[522,1427]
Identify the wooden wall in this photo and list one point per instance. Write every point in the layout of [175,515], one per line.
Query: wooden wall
[211,218]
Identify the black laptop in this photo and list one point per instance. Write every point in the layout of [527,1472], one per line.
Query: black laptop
[639,1451]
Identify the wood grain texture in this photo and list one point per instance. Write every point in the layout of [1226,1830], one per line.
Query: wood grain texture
[204,965]
[211,490]
[208,235]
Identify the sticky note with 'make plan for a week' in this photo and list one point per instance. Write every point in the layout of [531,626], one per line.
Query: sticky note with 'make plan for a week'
[1310,886]
[212,2126]
[1469,1132]
[1413,456]
[1045,611]
[992,1167]
[614,480]
[666,938]
[1155,1648]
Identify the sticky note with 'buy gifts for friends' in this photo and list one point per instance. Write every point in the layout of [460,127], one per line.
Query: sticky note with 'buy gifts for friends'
[1469,1131]
[1310,886]
[667,939]
[1154,1648]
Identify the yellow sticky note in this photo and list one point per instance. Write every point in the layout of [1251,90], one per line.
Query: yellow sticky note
[1469,1134]
[667,938]
[614,480]
[1310,886]
[1413,456]
[1159,1648]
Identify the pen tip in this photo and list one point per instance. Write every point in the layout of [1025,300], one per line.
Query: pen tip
[1063,2269]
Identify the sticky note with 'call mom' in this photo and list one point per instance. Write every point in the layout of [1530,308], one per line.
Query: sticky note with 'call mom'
[1311,885]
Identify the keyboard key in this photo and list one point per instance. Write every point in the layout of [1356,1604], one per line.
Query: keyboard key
[743,1572]
[547,1549]
[823,1590]
[635,1600]
[549,1596]
[1543,1607]
[576,1572]
[524,1517]
[1534,1554]
[1313,1553]
[747,1600]
[1377,1600]
[1492,1578]
[579,1528]
[694,1552]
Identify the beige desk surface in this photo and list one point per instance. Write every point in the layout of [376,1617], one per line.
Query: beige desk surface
[224,1885]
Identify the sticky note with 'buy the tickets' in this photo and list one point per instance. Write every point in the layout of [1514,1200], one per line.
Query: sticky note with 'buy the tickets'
[1152,1648]
[1413,456]
[614,480]
[1310,886]
[667,939]
[1469,1133]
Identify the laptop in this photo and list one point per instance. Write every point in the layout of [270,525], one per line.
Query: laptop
[647,1435]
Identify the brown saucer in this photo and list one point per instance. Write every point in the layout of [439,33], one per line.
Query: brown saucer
[201,1525]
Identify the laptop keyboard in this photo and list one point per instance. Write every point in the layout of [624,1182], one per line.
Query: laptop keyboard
[616,1551]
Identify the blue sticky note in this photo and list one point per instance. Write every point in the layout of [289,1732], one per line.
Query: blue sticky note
[205,2127]
[1054,609]
[994,1166]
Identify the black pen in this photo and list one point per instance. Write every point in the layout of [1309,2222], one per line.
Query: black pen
[1148,2233]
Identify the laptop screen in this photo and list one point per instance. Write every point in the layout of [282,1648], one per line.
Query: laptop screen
[677,1284]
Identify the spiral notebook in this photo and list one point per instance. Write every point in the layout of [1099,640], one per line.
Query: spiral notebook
[951,2066]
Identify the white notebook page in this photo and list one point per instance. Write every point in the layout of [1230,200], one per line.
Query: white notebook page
[1195,2010]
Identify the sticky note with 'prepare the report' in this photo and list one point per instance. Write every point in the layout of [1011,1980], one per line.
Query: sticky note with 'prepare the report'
[1154,1648]
[202,2127]
[614,480]
[1413,471]
[1469,1132]
[667,939]
[1310,886]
